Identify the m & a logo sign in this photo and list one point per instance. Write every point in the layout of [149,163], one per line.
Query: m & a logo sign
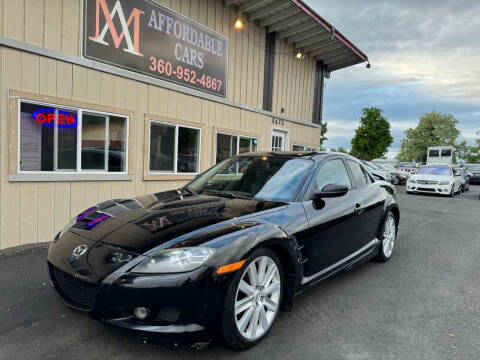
[132,45]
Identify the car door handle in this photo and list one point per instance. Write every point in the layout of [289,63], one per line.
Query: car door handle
[359,209]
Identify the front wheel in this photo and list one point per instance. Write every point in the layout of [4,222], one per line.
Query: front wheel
[463,188]
[389,235]
[452,192]
[253,300]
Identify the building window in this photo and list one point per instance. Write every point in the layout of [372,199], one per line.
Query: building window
[59,139]
[296,147]
[174,148]
[279,140]
[230,145]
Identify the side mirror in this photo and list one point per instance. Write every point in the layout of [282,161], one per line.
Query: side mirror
[331,191]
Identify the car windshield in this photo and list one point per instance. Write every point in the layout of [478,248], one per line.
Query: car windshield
[433,170]
[472,167]
[406,164]
[265,177]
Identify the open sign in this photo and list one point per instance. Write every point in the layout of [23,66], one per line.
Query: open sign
[46,117]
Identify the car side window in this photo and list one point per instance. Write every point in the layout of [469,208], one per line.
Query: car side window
[332,172]
[359,175]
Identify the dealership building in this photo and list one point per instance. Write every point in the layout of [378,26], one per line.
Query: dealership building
[109,99]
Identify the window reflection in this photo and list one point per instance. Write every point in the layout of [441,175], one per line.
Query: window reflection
[93,142]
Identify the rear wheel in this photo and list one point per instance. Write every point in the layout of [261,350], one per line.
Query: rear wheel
[395,180]
[253,300]
[389,234]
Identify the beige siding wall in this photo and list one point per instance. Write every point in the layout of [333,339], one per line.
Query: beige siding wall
[32,212]
[293,83]
[60,30]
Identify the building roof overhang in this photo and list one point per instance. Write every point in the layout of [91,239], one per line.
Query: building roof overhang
[302,27]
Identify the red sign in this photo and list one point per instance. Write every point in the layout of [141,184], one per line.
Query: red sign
[46,117]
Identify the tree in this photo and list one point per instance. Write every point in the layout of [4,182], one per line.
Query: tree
[433,129]
[469,154]
[372,138]
[340,149]
[323,131]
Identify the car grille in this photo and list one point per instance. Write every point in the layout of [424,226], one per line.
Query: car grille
[429,182]
[425,189]
[76,292]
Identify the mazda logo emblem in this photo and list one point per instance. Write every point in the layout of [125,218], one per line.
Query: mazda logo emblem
[80,250]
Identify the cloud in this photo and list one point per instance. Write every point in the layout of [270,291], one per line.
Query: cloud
[425,56]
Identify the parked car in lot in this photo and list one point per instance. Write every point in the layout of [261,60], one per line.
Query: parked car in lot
[435,178]
[409,167]
[464,178]
[377,173]
[227,251]
[398,176]
[474,172]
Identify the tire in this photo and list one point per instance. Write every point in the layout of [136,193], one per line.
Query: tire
[395,181]
[452,193]
[463,188]
[238,330]
[389,235]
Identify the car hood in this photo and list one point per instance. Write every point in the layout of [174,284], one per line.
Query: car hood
[143,223]
[431,177]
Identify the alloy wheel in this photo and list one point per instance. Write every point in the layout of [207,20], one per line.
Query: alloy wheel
[257,298]
[389,234]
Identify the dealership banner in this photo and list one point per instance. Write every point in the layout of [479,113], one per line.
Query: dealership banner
[145,37]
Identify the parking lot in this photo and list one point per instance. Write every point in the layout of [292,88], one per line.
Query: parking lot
[423,304]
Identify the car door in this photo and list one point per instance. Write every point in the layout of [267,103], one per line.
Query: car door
[328,238]
[368,205]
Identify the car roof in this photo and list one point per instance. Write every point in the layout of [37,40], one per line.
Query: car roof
[314,155]
[286,154]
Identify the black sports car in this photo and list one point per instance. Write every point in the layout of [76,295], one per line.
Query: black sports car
[227,251]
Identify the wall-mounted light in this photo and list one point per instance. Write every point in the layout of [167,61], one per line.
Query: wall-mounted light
[238,24]
[299,55]
[368,65]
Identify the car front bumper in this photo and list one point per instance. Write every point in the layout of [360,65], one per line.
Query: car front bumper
[184,306]
[429,188]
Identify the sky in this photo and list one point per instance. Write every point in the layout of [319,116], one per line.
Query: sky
[425,56]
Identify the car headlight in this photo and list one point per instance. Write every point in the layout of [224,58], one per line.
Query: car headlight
[444,182]
[175,260]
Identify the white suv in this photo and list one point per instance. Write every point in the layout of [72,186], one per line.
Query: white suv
[435,178]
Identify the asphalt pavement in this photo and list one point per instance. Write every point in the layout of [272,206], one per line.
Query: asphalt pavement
[422,304]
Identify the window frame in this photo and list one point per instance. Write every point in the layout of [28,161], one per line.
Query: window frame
[238,136]
[78,168]
[312,181]
[286,138]
[175,155]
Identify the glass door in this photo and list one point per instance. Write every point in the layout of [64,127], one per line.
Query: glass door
[279,140]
